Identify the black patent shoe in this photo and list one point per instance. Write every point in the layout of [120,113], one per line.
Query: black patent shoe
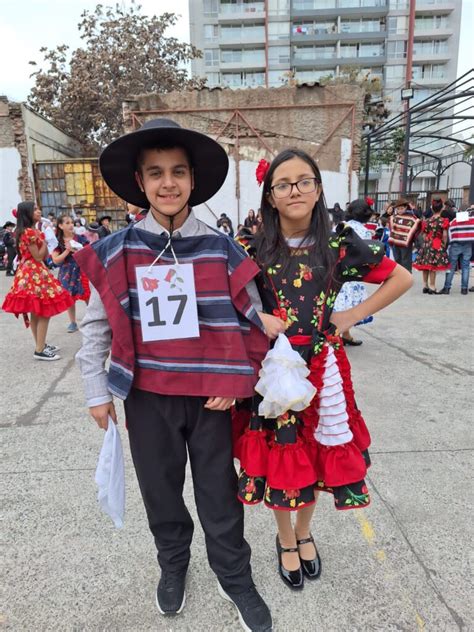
[426,290]
[311,568]
[293,579]
[170,594]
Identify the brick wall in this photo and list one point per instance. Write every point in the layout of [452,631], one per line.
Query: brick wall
[280,124]
[12,134]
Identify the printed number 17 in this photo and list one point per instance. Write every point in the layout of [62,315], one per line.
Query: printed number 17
[154,302]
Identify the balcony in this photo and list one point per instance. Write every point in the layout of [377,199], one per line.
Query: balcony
[432,33]
[330,62]
[432,7]
[427,57]
[321,36]
[231,13]
[242,39]
[250,63]
[335,8]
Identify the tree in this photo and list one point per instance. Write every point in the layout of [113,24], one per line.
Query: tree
[124,53]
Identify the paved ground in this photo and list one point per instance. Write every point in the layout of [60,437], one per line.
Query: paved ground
[403,564]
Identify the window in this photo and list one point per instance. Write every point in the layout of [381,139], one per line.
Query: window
[211,8]
[394,73]
[278,7]
[429,71]
[396,5]
[231,56]
[370,50]
[433,47]
[301,5]
[241,6]
[232,79]
[397,49]
[239,32]
[279,54]
[313,75]
[361,26]
[212,79]
[211,56]
[276,78]
[211,32]
[428,22]
[254,79]
[398,25]
[322,27]
[311,53]
[348,50]
[278,30]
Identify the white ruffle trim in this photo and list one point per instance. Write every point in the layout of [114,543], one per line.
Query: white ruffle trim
[283,384]
[333,428]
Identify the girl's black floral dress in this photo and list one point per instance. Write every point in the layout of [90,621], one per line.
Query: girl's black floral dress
[433,254]
[284,460]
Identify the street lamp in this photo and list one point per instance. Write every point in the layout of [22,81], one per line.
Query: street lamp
[406,94]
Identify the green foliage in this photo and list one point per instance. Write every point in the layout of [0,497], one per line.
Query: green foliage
[124,53]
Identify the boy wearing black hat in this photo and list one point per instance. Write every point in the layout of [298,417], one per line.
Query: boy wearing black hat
[175,305]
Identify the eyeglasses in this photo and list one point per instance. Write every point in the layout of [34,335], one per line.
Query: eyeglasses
[284,189]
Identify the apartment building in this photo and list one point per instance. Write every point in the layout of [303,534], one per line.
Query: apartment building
[248,44]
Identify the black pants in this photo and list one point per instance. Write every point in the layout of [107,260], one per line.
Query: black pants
[403,256]
[11,254]
[160,427]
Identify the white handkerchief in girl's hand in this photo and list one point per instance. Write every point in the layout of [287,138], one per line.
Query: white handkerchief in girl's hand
[110,476]
[76,245]
[283,384]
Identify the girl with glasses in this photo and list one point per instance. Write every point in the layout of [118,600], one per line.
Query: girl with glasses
[288,460]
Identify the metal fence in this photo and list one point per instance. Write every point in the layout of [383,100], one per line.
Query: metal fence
[422,198]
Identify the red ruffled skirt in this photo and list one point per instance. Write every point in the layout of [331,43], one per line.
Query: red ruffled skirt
[35,290]
[284,461]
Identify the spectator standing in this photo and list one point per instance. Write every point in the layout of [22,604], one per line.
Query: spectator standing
[104,223]
[403,226]
[251,221]
[9,243]
[461,243]
[432,256]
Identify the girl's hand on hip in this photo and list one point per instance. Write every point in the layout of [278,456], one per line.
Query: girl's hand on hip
[344,320]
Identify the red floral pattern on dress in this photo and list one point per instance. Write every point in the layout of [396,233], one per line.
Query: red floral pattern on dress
[35,289]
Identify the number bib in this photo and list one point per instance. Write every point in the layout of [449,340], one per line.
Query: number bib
[167,302]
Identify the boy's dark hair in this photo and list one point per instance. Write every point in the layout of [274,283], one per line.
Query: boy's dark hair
[161,147]
[270,242]
[359,211]
[436,204]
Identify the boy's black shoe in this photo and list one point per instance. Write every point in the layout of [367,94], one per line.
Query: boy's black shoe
[464,290]
[254,615]
[170,594]
[445,290]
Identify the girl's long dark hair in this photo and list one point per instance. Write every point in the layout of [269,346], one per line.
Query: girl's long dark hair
[24,220]
[60,233]
[270,242]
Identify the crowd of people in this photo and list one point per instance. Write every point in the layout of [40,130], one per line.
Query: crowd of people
[277,299]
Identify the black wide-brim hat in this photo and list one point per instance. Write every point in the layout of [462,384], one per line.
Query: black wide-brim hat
[118,161]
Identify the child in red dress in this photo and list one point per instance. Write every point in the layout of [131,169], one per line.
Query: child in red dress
[35,290]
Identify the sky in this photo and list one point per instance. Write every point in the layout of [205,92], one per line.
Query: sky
[26,25]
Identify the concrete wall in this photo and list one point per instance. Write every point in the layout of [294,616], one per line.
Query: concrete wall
[279,124]
[25,137]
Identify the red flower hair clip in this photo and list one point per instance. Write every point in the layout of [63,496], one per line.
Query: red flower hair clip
[369,201]
[261,171]
[14,212]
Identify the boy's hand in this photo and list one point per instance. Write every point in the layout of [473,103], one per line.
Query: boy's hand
[272,325]
[219,403]
[101,414]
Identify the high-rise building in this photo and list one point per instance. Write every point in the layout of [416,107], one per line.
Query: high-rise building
[250,43]
[258,43]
